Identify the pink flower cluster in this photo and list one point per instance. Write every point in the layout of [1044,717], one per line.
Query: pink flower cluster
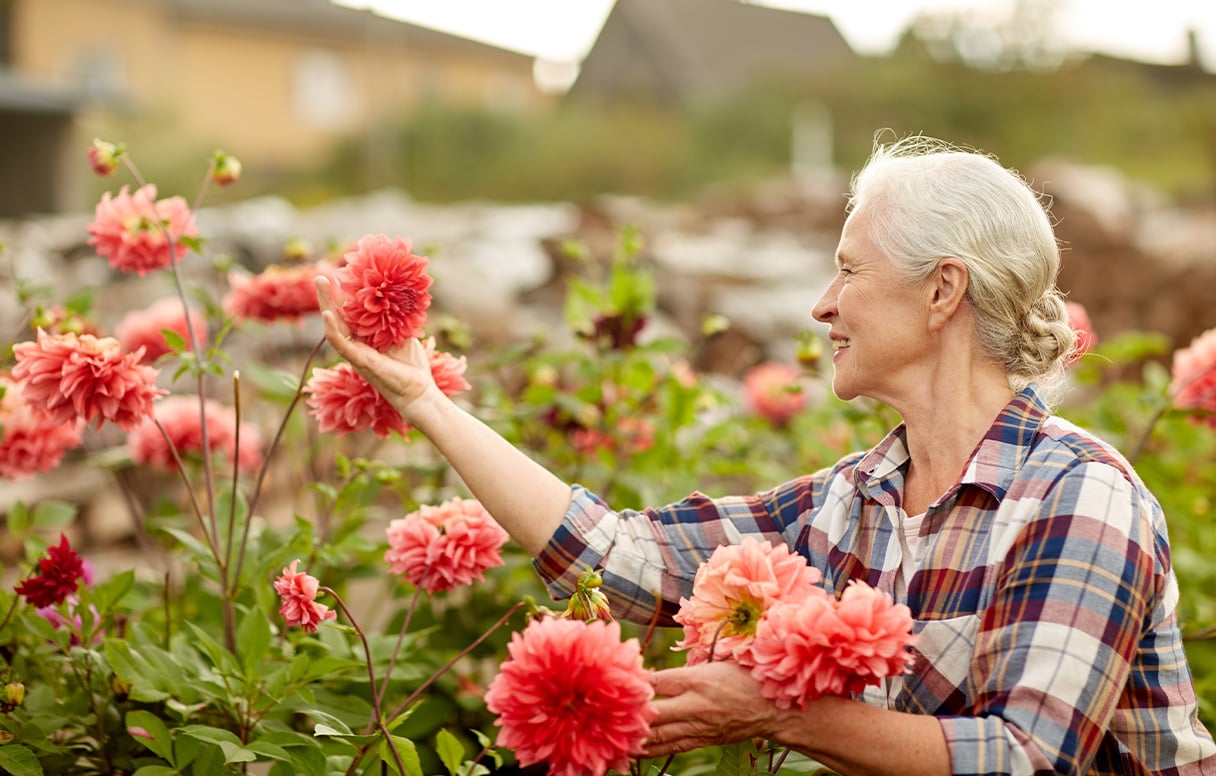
[344,402]
[760,605]
[69,377]
[179,416]
[572,695]
[1193,383]
[129,229]
[1078,319]
[29,441]
[440,548]
[145,328]
[298,596]
[774,390]
[280,292]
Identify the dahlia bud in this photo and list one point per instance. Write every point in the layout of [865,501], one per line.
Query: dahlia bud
[226,169]
[810,349]
[14,693]
[297,249]
[588,602]
[103,157]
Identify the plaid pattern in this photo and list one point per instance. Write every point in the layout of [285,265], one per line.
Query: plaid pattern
[1044,597]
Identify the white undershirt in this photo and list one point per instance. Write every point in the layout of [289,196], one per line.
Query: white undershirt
[908,533]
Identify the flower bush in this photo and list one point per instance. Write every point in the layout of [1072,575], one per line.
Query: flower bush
[314,593]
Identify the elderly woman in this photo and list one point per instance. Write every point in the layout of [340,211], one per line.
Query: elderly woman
[1034,560]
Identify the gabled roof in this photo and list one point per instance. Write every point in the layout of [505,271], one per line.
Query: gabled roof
[694,49]
[324,18]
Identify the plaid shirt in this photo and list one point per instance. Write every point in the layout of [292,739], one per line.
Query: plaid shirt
[1044,599]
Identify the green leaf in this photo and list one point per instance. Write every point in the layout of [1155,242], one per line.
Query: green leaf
[409,756]
[451,751]
[19,761]
[52,515]
[161,742]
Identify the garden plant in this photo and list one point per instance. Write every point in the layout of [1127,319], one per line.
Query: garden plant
[316,593]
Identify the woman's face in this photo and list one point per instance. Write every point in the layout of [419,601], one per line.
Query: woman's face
[878,320]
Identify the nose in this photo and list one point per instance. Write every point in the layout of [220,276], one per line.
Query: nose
[825,308]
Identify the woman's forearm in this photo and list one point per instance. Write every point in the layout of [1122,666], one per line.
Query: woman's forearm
[524,497]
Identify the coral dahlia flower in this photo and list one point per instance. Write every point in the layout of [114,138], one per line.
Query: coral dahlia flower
[819,647]
[774,391]
[298,593]
[386,291]
[29,442]
[129,229]
[572,695]
[446,369]
[1078,319]
[733,590]
[67,377]
[280,292]
[146,328]
[58,576]
[1194,376]
[343,402]
[179,417]
[440,548]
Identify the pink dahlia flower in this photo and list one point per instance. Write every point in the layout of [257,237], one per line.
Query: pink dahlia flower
[29,442]
[774,390]
[446,369]
[343,402]
[125,230]
[386,291]
[572,695]
[440,548]
[805,650]
[281,292]
[146,328]
[1194,376]
[179,417]
[1078,319]
[298,593]
[68,377]
[732,591]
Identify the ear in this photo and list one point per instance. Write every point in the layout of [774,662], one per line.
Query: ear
[947,287]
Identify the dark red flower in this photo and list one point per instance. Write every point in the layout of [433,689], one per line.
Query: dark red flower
[59,575]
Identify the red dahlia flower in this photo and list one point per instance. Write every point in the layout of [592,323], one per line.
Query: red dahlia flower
[58,576]
[146,328]
[386,291]
[343,402]
[69,377]
[29,442]
[572,695]
[129,229]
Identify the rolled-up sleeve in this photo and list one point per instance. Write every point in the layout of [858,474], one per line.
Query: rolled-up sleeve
[648,558]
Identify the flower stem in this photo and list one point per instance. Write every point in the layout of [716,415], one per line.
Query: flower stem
[422,688]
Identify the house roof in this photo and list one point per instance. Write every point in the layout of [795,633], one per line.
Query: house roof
[692,49]
[20,96]
[323,17]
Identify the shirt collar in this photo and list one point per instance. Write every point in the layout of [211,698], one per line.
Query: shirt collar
[993,465]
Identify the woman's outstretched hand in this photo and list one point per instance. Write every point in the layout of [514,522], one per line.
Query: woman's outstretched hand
[402,375]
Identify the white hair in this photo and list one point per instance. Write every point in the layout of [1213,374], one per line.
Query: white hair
[933,200]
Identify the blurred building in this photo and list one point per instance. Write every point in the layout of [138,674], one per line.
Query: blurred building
[274,82]
[687,51]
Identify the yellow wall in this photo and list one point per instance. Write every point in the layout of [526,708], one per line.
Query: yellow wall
[201,85]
